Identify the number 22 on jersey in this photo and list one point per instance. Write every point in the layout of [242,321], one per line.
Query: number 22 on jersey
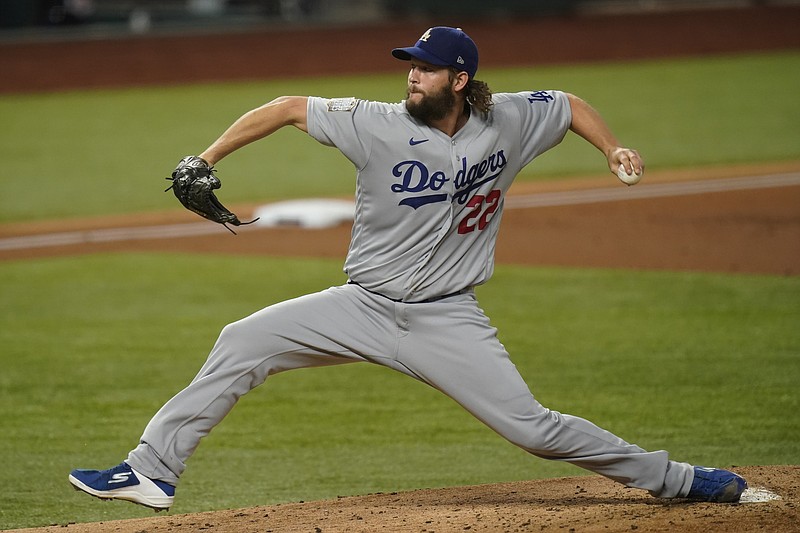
[482,207]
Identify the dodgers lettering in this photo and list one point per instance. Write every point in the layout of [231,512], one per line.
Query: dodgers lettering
[468,180]
[417,178]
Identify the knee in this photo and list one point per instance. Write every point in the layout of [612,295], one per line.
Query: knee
[240,342]
[237,352]
[232,339]
[537,434]
[248,334]
[258,337]
[233,332]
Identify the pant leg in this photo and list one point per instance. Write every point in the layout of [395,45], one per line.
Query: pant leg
[451,345]
[326,328]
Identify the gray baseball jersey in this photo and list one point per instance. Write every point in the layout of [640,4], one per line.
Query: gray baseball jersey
[427,215]
[429,206]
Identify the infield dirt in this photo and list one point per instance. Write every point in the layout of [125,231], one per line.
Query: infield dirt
[756,231]
[587,504]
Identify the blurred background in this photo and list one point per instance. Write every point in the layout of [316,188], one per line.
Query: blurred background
[35,18]
[48,45]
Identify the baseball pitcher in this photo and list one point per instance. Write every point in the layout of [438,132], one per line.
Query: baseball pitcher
[432,173]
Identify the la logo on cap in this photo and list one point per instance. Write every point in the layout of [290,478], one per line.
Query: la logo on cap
[427,35]
[443,46]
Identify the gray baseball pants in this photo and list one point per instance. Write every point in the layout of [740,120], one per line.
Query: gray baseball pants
[448,344]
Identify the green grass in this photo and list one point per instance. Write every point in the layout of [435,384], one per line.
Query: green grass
[703,365]
[106,151]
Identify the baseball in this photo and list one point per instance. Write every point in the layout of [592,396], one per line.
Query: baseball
[628,179]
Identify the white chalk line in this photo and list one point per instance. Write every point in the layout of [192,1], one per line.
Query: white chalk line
[546,199]
[108,235]
[656,190]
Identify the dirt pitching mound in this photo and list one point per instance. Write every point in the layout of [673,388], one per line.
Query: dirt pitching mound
[579,504]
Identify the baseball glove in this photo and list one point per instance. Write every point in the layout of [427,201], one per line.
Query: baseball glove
[194,182]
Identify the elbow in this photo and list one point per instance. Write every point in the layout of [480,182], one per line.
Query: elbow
[293,109]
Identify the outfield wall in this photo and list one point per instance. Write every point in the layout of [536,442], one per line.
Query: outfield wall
[291,51]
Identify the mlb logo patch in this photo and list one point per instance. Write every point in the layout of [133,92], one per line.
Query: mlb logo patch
[341,104]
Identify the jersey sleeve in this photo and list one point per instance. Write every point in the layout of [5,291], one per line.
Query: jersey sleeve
[545,117]
[339,122]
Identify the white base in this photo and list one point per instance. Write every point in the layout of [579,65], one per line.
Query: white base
[308,213]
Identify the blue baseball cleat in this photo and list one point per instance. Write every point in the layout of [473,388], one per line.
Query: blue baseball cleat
[124,483]
[716,485]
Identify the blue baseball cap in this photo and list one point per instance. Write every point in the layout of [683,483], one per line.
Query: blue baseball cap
[445,47]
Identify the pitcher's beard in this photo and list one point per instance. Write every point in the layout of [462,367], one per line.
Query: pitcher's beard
[431,107]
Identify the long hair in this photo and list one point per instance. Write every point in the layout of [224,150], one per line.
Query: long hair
[479,96]
[477,93]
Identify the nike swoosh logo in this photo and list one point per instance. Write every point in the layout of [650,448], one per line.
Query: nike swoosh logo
[412,142]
